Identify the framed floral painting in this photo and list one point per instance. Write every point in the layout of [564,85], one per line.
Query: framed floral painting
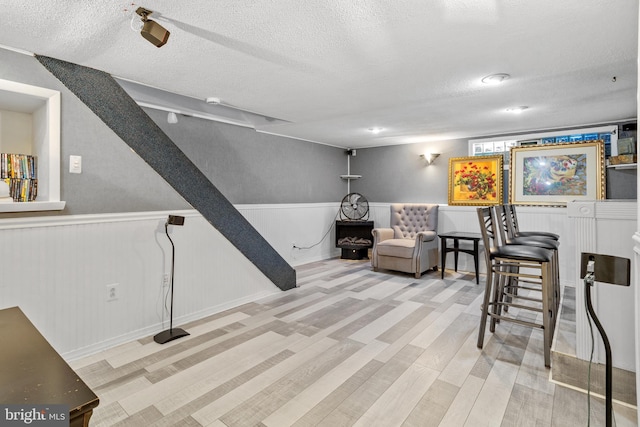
[555,174]
[475,181]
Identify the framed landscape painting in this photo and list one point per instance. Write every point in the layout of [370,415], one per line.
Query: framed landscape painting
[475,181]
[555,174]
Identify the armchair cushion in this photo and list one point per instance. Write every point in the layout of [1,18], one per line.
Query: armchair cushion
[401,248]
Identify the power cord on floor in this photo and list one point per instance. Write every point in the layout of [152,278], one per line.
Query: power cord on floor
[333,222]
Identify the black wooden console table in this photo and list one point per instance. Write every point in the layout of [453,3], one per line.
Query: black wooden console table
[456,236]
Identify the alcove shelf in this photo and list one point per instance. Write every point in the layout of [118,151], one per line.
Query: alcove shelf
[40,108]
[32,206]
[623,166]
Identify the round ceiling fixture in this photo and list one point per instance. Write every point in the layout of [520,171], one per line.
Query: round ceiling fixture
[375,131]
[516,110]
[495,79]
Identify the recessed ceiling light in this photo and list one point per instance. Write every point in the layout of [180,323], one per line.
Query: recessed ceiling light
[517,110]
[494,79]
[375,131]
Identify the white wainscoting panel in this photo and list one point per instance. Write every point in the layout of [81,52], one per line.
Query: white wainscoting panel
[553,220]
[56,269]
[311,227]
[607,228]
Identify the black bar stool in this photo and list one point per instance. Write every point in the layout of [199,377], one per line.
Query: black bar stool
[510,220]
[519,262]
[514,230]
[536,240]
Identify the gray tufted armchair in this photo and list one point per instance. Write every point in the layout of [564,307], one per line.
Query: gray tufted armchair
[411,244]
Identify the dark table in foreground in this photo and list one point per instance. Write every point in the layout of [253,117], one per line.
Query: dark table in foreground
[33,373]
[456,236]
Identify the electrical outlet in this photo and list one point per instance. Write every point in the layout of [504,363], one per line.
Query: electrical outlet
[112,292]
[165,280]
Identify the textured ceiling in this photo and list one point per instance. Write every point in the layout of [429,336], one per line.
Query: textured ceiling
[330,70]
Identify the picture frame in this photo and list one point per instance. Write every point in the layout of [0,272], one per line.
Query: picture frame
[528,143]
[626,146]
[554,174]
[476,180]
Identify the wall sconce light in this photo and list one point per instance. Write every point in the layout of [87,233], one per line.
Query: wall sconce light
[429,157]
[172,118]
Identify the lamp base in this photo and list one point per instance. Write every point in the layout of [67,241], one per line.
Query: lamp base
[170,335]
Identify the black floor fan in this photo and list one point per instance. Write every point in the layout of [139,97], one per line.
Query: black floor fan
[604,269]
[171,333]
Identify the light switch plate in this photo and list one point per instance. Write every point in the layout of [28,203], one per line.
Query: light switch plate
[75,164]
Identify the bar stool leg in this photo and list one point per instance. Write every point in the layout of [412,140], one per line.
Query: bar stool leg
[498,292]
[485,305]
[547,312]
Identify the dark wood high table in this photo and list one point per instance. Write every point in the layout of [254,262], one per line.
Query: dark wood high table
[456,236]
[33,373]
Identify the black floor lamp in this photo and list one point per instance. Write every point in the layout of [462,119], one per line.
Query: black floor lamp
[616,271]
[171,333]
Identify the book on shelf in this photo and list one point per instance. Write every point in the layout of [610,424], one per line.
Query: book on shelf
[21,166]
[20,173]
[22,190]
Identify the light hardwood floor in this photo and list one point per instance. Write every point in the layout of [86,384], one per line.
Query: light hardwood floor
[347,347]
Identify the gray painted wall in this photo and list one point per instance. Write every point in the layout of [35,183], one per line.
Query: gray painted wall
[252,167]
[622,184]
[398,174]
[113,179]
[248,167]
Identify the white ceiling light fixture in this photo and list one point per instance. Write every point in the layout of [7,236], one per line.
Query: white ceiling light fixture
[516,110]
[495,79]
[375,131]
